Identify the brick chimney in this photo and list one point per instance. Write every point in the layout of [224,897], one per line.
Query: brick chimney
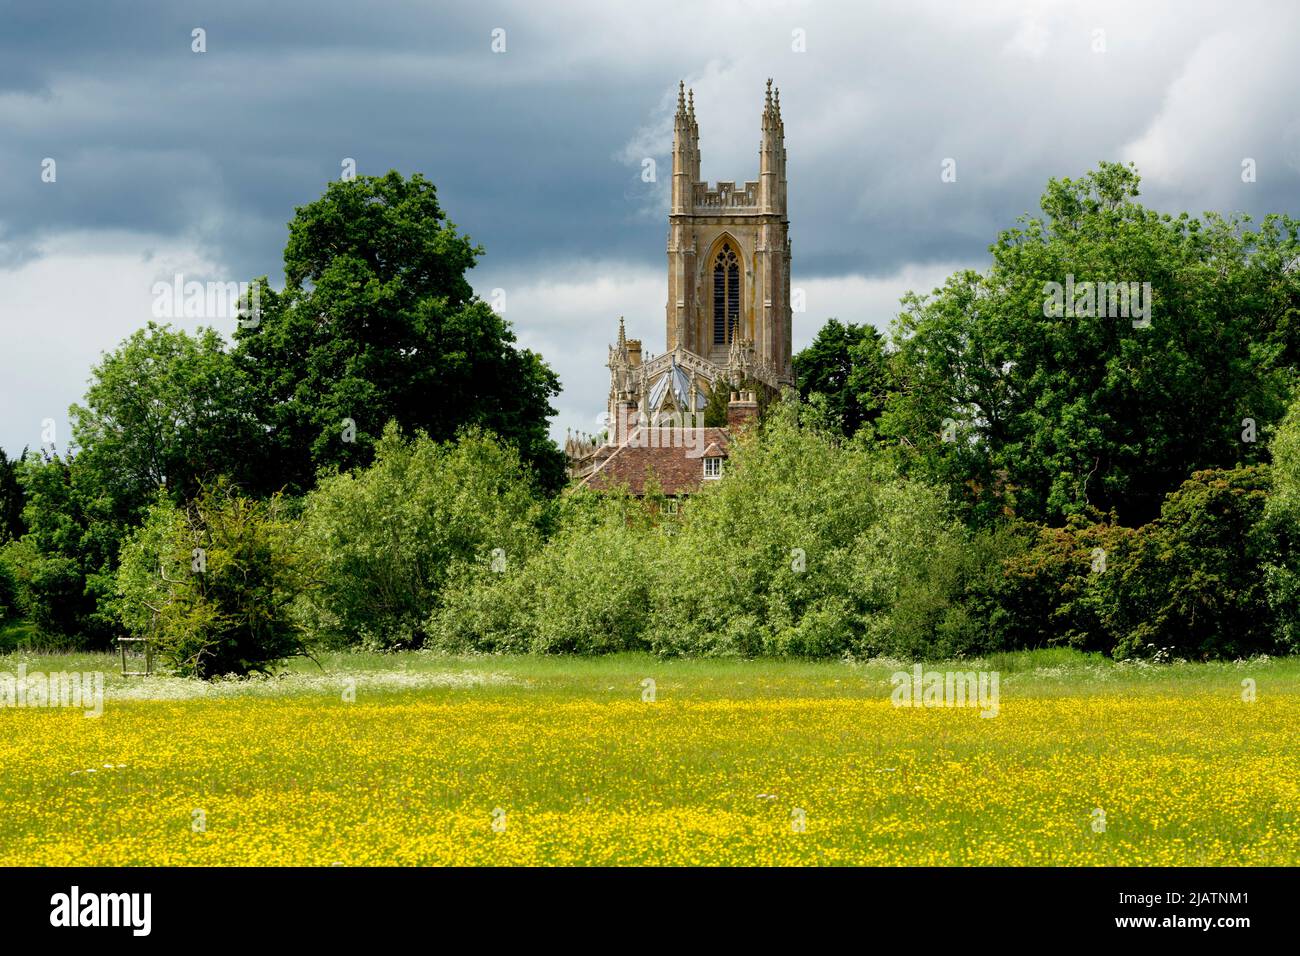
[741,410]
[627,416]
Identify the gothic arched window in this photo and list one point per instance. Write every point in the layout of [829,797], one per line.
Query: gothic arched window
[726,295]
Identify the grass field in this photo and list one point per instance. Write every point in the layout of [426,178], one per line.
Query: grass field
[506,760]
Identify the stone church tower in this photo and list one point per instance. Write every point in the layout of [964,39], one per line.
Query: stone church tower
[729,250]
[728,310]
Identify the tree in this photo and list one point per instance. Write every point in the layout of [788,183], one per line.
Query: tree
[63,564]
[11,498]
[378,322]
[212,584]
[1020,400]
[1193,584]
[387,537]
[168,410]
[847,364]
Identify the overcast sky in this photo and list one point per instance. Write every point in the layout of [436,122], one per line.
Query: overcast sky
[170,161]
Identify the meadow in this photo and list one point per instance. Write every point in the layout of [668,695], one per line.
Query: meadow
[423,759]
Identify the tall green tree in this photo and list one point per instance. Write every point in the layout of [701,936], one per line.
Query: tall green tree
[166,410]
[378,322]
[63,564]
[1051,408]
[11,498]
[846,363]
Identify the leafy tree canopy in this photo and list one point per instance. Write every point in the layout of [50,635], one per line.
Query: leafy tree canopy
[212,583]
[845,363]
[11,498]
[63,564]
[164,412]
[378,322]
[1052,408]
[168,410]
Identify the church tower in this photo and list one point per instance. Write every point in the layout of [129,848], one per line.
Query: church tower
[729,252]
[728,310]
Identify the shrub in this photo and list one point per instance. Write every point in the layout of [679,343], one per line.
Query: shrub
[761,562]
[807,548]
[1197,582]
[386,539]
[212,584]
[811,546]
[1052,593]
[49,590]
[586,591]
[1282,530]
[8,592]
[1194,584]
[946,597]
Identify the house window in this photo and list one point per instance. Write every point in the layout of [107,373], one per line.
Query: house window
[713,468]
[726,295]
[670,506]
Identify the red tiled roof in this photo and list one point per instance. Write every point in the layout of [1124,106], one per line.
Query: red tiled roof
[674,456]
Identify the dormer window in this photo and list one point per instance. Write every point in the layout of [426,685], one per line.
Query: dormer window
[713,468]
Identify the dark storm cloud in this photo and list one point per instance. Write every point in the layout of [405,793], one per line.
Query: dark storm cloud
[221,146]
[152,137]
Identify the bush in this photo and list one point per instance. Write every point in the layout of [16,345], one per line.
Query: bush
[809,547]
[387,538]
[948,596]
[1282,530]
[212,584]
[1211,577]
[762,561]
[1052,593]
[586,591]
[49,590]
[63,565]
[8,592]
[1193,584]
[812,547]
